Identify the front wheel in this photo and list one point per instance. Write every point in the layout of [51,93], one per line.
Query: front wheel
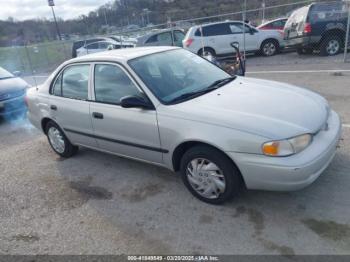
[210,175]
[269,47]
[58,141]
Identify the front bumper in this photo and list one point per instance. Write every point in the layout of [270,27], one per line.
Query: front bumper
[293,172]
[13,105]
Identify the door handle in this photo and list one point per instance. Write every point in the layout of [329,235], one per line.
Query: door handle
[53,107]
[97,115]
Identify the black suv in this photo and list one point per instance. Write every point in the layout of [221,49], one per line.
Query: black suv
[318,26]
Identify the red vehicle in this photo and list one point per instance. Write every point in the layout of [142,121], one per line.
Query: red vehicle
[277,24]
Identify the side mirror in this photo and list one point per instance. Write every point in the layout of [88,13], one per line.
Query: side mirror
[110,47]
[251,31]
[17,73]
[136,102]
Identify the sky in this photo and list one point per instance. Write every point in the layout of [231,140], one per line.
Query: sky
[27,9]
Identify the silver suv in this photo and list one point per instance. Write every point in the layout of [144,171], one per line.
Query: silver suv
[170,107]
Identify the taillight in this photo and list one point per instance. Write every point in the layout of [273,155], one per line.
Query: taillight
[188,42]
[307,28]
[26,101]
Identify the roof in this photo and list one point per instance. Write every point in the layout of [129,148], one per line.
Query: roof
[123,54]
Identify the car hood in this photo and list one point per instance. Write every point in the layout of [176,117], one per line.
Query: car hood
[9,85]
[266,108]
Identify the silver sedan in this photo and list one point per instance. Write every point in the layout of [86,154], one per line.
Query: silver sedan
[170,107]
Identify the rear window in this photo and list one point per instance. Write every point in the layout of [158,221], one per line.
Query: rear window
[327,11]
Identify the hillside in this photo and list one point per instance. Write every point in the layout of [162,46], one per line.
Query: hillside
[121,13]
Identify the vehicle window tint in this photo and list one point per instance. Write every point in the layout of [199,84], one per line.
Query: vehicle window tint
[178,37]
[198,32]
[103,45]
[92,46]
[237,28]
[277,24]
[165,39]
[75,82]
[57,88]
[329,11]
[112,84]
[152,39]
[218,29]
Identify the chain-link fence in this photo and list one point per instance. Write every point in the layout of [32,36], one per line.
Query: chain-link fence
[309,29]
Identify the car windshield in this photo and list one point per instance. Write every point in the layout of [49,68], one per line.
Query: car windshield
[178,75]
[4,74]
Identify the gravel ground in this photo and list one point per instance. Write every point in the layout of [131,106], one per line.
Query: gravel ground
[95,203]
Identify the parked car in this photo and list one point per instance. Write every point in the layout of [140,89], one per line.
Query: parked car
[81,43]
[12,93]
[216,38]
[170,107]
[166,37]
[102,46]
[318,26]
[277,24]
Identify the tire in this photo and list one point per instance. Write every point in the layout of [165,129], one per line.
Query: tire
[305,51]
[221,187]
[269,47]
[207,51]
[331,46]
[58,141]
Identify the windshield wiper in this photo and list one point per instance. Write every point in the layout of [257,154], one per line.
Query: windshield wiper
[221,82]
[213,86]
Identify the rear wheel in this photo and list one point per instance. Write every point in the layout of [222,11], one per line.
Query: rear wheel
[331,46]
[210,175]
[207,51]
[269,47]
[58,141]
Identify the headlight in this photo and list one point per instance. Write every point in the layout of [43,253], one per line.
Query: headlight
[287,147]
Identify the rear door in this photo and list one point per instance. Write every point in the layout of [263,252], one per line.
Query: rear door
[219,37]
[295,25]
[131,132]
[70,106]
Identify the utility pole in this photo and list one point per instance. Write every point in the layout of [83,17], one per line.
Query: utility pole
[52,4]
[263,5]
[347,33]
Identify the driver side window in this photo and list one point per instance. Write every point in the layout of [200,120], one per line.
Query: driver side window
[112,84]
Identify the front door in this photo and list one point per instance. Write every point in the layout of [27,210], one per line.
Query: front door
[247,38]
[132,132]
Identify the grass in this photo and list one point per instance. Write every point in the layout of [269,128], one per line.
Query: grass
[35,58]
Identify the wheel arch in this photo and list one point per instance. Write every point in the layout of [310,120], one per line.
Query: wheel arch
[180,150]
[335,31]
[270,39]
[205,47]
